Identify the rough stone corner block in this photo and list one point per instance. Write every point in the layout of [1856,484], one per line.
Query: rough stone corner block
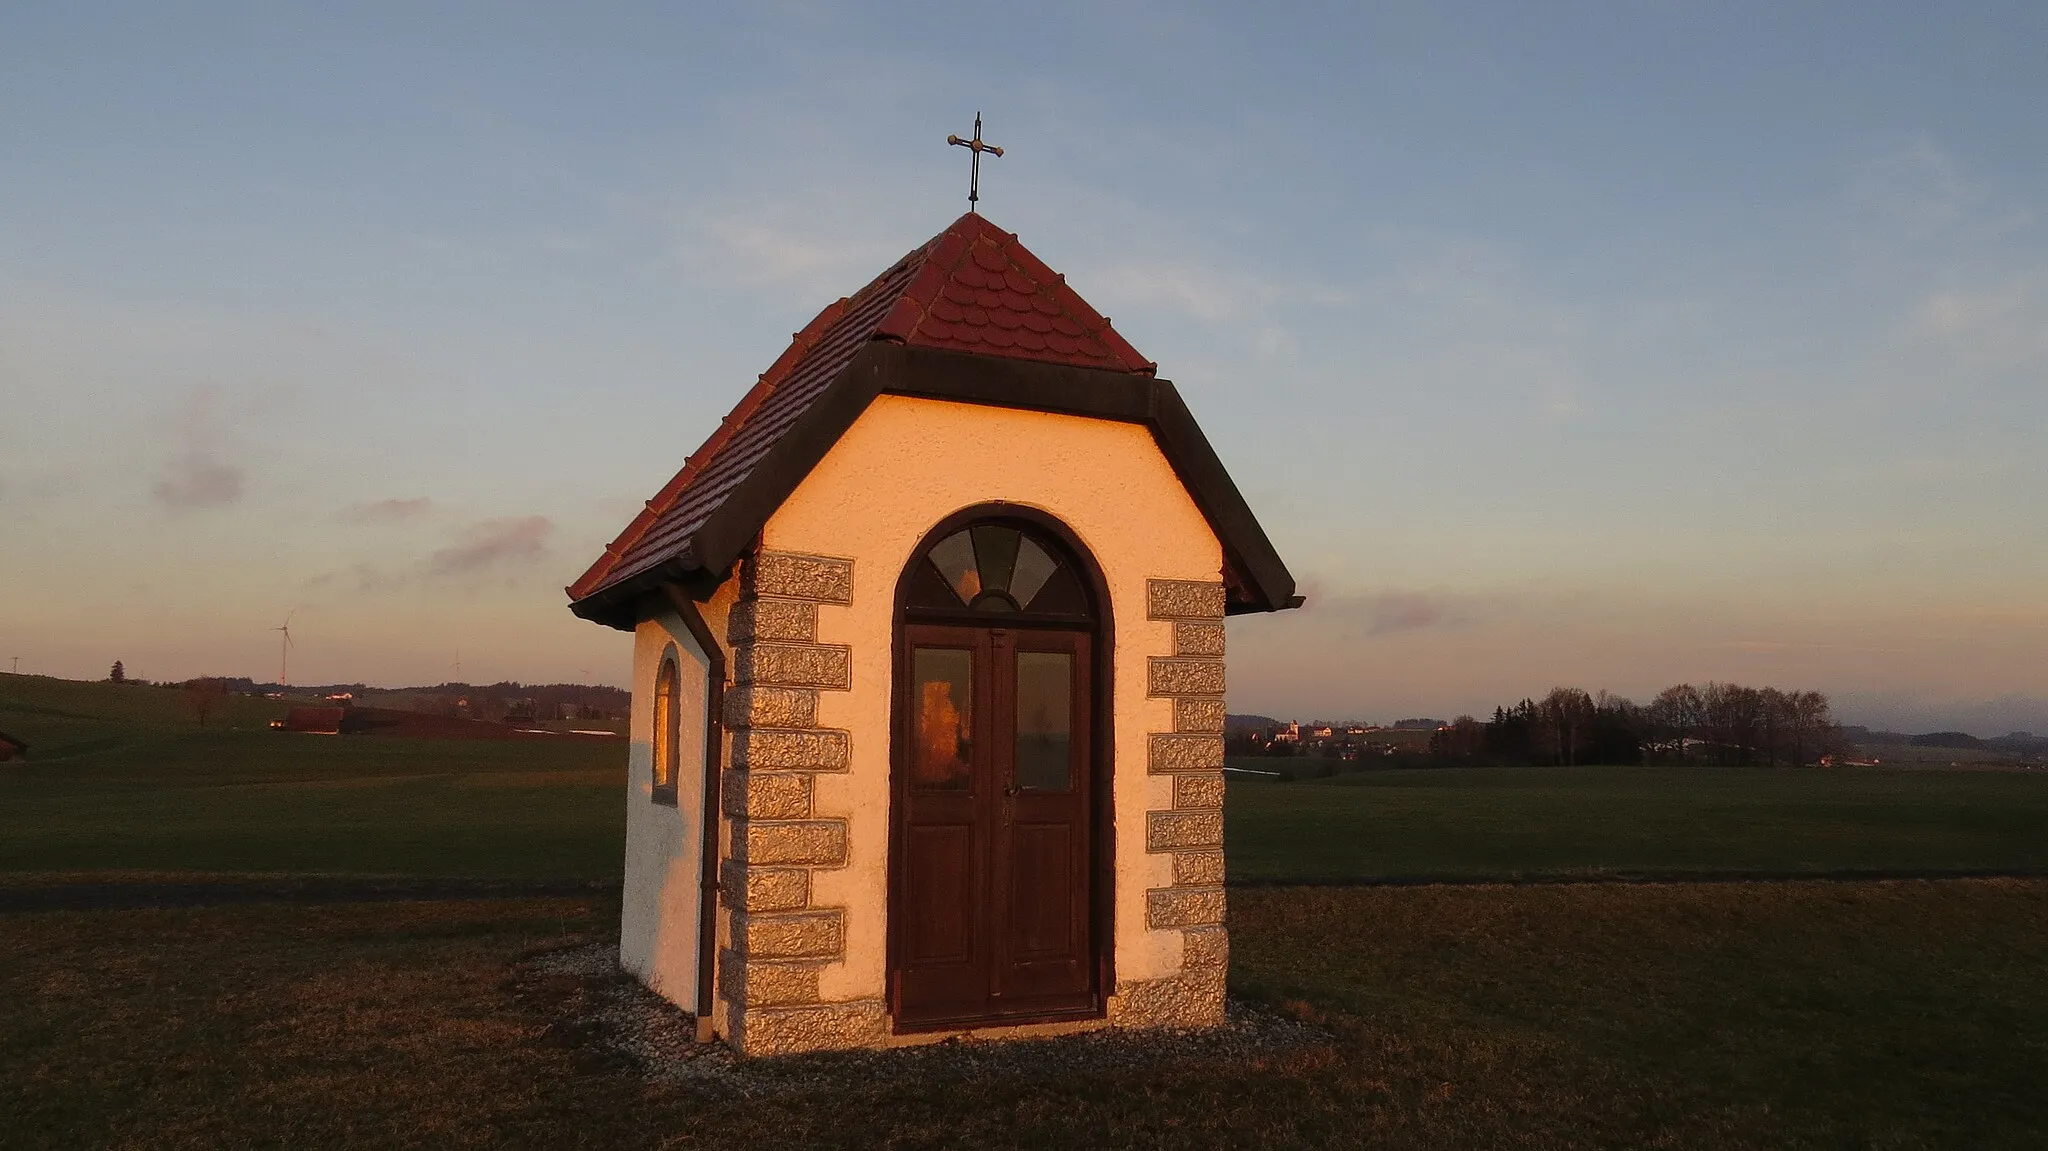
[790,935]
[1183,830]
[1205,947]
[768,983]
[794,665]
[764,888]
[769,795]
[790,843]
[820,1027]
[1167,676]
[1183,599]
[1198,791]
[1197,715]
[784,620]
[1169,907]
[1197,638]
[776,749]
[1166,753]
[822,578]
[757,706]
[1197,868]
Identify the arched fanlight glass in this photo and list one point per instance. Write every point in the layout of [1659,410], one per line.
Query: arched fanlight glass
[997,567]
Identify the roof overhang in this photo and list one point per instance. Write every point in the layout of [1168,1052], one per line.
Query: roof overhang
[1255,578]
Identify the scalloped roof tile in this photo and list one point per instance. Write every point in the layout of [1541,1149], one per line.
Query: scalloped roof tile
[971,288]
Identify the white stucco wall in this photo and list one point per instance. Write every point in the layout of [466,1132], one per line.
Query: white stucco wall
[905,465]
[664,859]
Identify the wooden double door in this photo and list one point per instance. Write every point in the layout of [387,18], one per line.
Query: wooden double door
[990,915]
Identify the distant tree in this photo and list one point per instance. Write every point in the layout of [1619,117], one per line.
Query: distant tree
[203,696]
[119,674]
[1567,720]
[1676,716]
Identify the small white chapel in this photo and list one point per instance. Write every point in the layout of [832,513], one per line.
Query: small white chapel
[928,678]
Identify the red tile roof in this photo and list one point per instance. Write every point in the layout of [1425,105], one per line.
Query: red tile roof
[971,288]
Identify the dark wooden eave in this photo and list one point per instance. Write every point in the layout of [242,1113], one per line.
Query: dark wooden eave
[1255,578]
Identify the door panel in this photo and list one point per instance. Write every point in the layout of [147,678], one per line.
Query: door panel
[991,872]
[940,897]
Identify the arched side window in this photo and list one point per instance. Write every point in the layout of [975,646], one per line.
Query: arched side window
[668,732]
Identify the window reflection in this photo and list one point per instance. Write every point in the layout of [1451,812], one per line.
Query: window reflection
[1044,719]
[942,684]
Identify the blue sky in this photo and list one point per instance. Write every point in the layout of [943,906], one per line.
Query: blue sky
[1605,345]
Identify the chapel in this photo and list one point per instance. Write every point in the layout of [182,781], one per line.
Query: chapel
[928,677]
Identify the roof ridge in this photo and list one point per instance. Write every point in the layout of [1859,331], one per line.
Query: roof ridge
[946,295]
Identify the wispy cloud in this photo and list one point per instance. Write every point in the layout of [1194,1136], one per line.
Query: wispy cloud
[1396,612]
[197,477]
[387,511]
[494,543]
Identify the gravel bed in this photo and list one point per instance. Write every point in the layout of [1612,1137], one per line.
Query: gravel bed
[659,1040]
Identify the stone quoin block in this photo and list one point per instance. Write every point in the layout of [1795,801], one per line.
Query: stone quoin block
[1204,947]
[1164,753]
[764,888]
[782,749]
[1198,715]
[795,842]
[1167,907]
[794,665]
[1204,790]
[765,795]
[821,1027]
[786,620]
[790,934]
[821,578]
[1197,868]
[757,706]
[1183,599]
[1191,637]
[1166,676]
[1192,999]
[767,982]
[1183,830]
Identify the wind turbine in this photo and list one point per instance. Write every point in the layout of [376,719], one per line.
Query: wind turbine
[284,647]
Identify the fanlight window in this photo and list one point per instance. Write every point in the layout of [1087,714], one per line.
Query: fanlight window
[997,568]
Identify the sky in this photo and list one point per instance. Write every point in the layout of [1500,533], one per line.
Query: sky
[1600,345]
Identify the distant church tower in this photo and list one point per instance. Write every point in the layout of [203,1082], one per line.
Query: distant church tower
[928,677]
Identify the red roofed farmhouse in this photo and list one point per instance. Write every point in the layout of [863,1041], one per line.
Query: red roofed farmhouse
[928,677]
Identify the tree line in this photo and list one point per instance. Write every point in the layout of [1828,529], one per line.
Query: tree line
[1721,723]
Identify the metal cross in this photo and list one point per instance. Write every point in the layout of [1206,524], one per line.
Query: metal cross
[974,173]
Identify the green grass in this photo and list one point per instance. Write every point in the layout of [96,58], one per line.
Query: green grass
[1589,821]
[1768,1015]
[1731,1015]
[121,778]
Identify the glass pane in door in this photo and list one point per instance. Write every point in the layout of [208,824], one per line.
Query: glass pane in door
[1045,716]
[942,736]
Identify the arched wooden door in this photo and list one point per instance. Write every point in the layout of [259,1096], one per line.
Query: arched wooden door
[997,897]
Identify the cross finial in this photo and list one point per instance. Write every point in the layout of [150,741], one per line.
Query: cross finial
[974,171]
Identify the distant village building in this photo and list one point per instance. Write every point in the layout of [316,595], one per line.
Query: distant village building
[927,725]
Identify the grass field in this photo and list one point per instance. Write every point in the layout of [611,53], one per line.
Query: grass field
[1591,821]
[121,778]
[1893,1015]
[1900,1015]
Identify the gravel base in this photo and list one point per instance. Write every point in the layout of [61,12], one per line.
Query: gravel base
[659,1040]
